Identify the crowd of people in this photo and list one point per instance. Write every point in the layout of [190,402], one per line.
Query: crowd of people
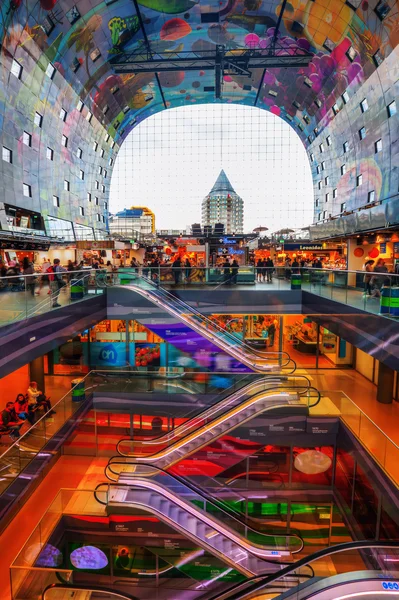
[24,410]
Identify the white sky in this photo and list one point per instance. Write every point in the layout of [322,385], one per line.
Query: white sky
[171,160]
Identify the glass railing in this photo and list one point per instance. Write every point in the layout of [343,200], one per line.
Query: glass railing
[359,562]
[19,455]
[46,564]
[25,296]
[383,449]
[375,292]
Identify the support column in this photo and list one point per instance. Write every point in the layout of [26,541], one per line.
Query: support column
[36,372]
[385,384]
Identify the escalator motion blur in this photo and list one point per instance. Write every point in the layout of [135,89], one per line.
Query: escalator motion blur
[228,342]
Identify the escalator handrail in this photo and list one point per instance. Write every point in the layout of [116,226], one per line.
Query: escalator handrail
[207,498]
[237,342]
[88,588]
[260,581]
[223,414]
[199,313]
[214,406]
[253,549]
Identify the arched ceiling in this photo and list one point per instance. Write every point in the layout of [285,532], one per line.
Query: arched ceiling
[80,37]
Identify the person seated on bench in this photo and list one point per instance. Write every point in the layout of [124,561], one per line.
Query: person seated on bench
[11,422]
[23,410]
[37,399]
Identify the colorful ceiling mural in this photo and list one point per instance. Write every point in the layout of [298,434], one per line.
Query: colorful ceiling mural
[79,37]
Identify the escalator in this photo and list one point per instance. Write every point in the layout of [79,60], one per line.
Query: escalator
[266,362]
[227,419]
[253,390]
[377,577]
[178,505]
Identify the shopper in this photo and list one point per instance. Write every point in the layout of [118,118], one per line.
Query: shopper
[376,281]
[295,267]
[56,281]
[226,271]
[269,269]
[37,399]
[368,268]
[272,332]
[11,421]
[44,277]
[176,270]
[259,268]
[13,275]
[234,271]
[187,269]
[22,410]
[29,271]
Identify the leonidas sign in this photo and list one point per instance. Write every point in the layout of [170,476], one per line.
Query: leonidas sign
[100,245]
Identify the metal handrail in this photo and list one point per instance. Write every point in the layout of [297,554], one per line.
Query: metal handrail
[258,582]
[215,325]
[226,398]
[207,498]
[259,396]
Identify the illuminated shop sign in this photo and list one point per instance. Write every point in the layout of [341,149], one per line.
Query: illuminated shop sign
[304,247]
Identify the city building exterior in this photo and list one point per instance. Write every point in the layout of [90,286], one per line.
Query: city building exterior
[134,221]
[223,205]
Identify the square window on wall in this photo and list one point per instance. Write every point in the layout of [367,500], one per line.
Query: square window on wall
[364,106]
[328,140]
[382,9]
[64,141]
[73,14]
[335,109]
[362,133]
[80,106]
[56,201]
[320,185]
[27,139]
[346,147]
[16,69]
[97,201]
[102,152]
[98,217]
[371,196]
[343,206]
[7,155]
[321,147]
[81,211]
[103,189]
[327,197]
[95,54]
[391,108]
[50,71]
[359,180]
[66,185]
[88,196]
[378,146]
[97,185]
[79,152]
[89,116]
[351,53]
[335,193]
[111,162]
[38,119]
[343,169]
[81,174]
[48,25]
[327,180]
[50,153]
[63,115]
[345,97]
[27,190]
[95,146]
[311,157]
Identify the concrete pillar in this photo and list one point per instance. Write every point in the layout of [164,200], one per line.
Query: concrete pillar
[36,371]
[385,384]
